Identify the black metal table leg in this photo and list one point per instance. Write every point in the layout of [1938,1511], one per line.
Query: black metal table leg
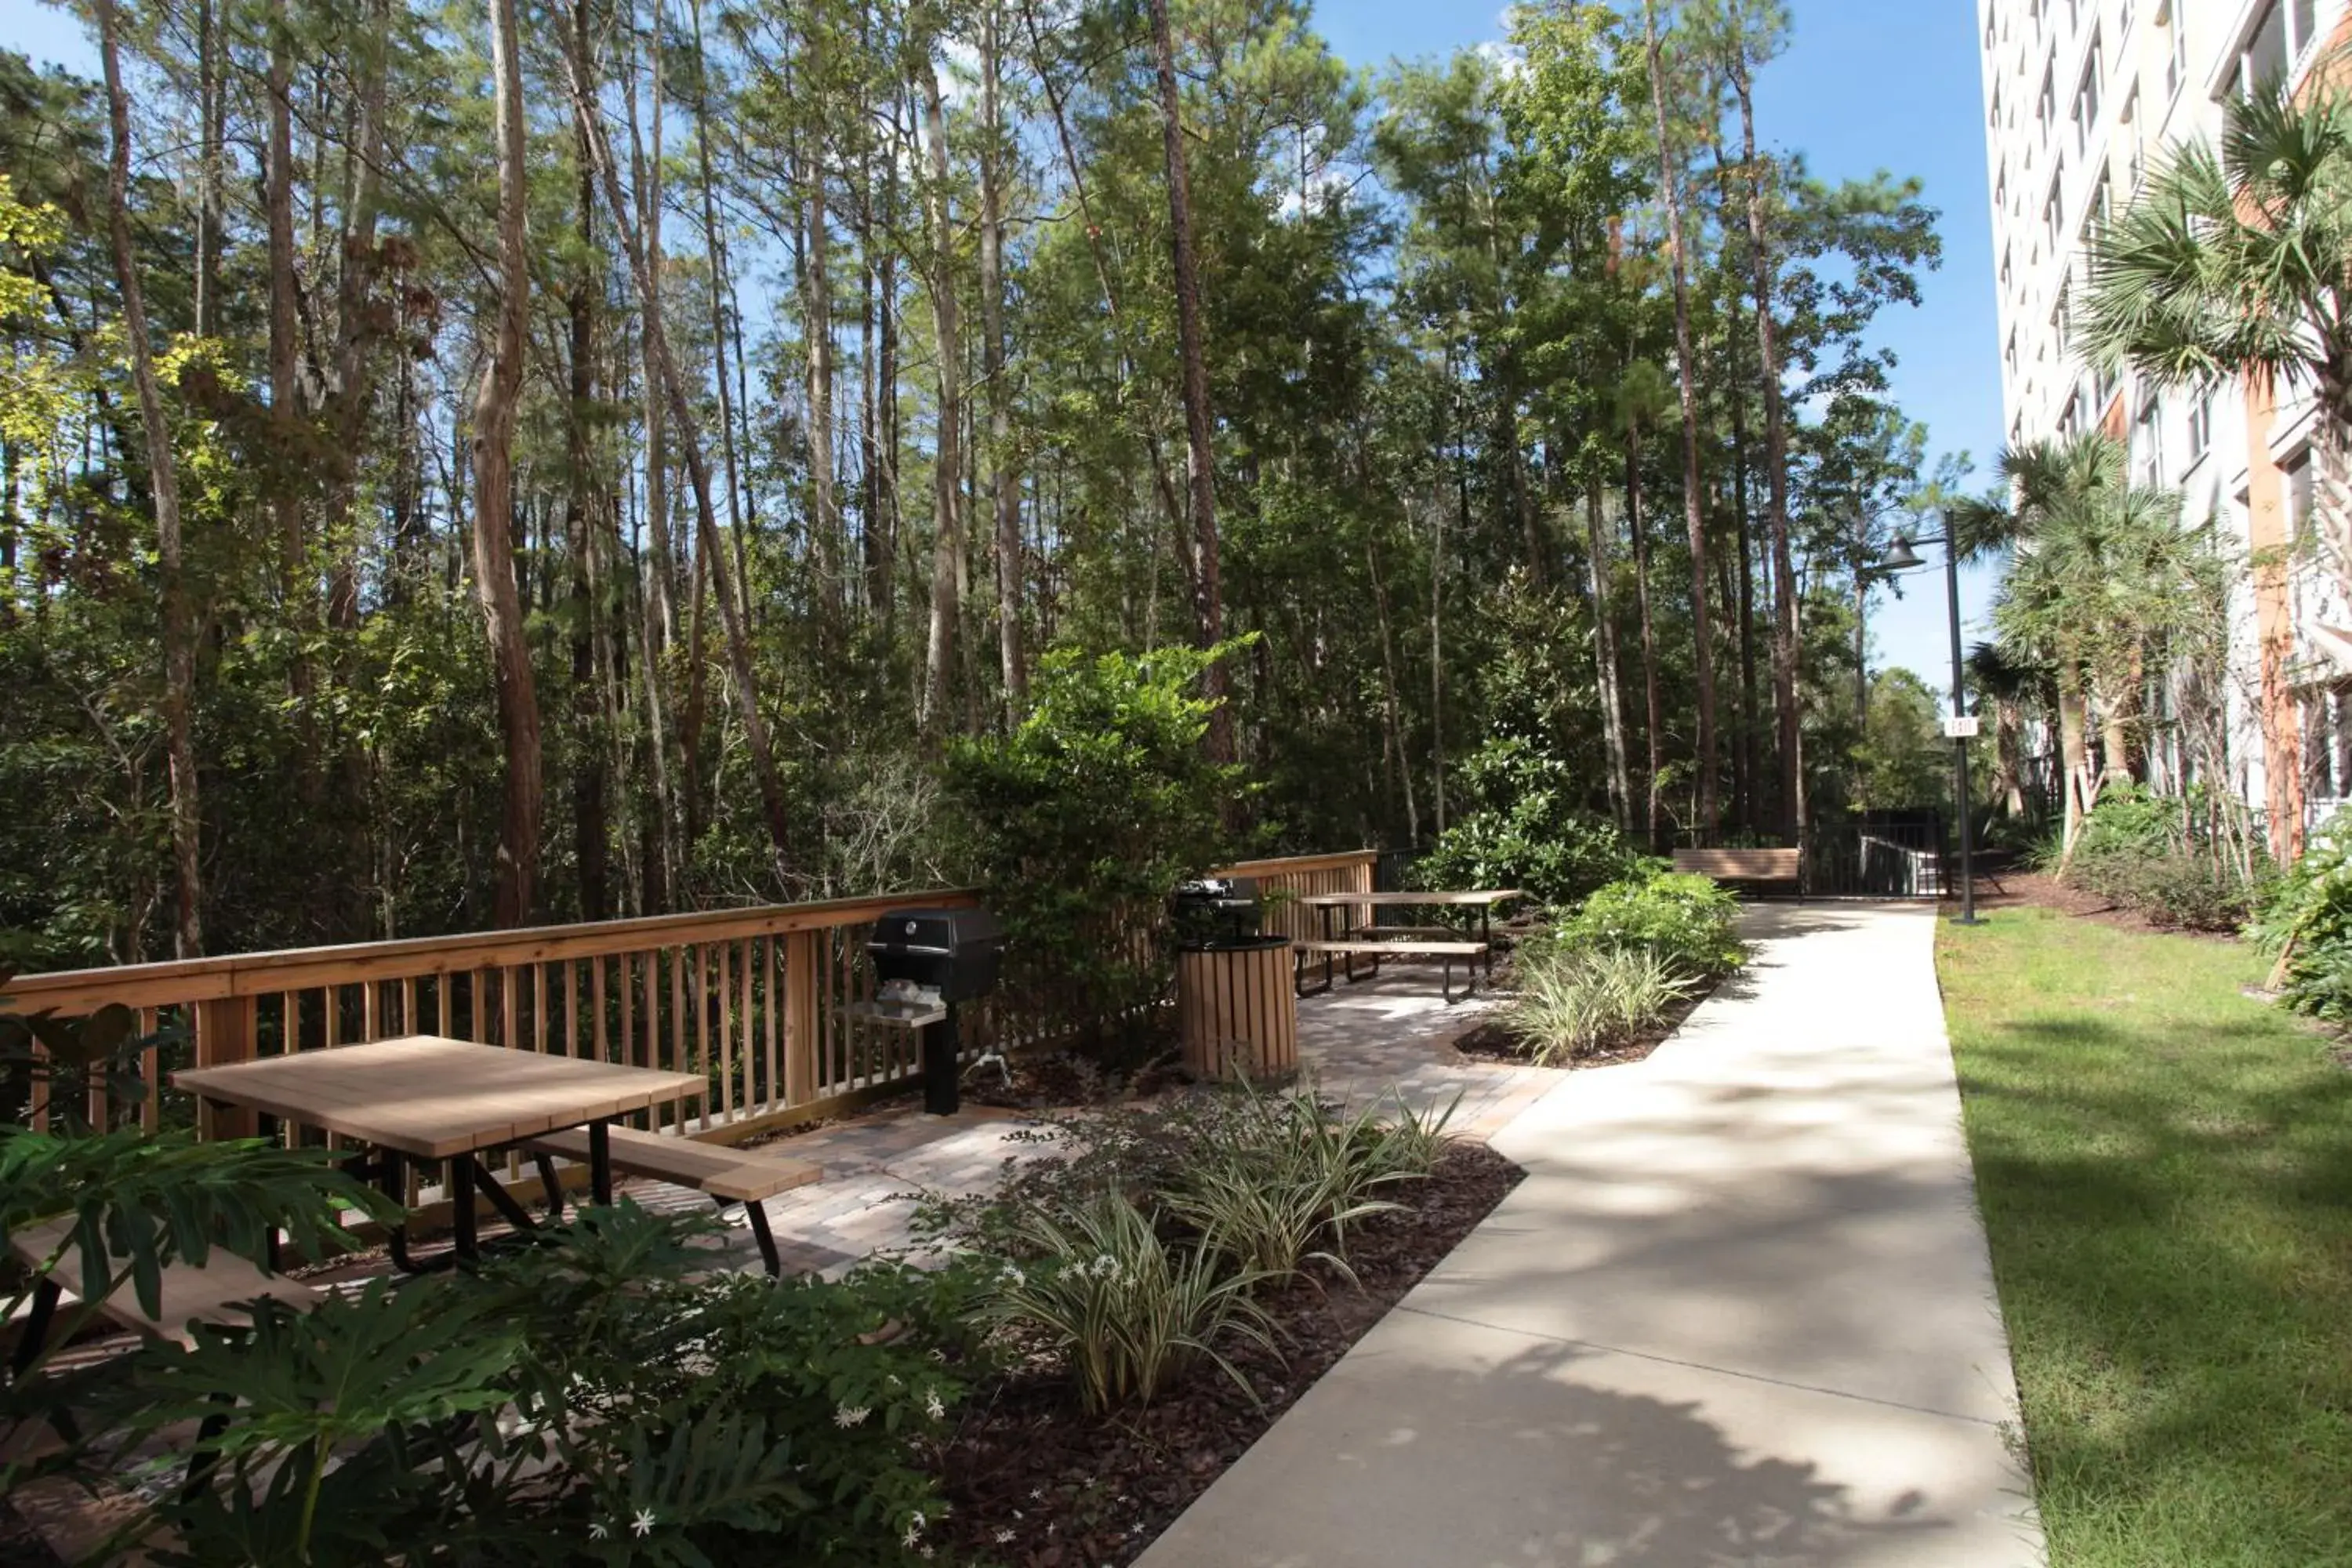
[551,1187]
[513,1213]
[393,1170]
[600,1162]
[757,1213]
[461,1207]
[1486,937]
[204,1458]
[35,1331]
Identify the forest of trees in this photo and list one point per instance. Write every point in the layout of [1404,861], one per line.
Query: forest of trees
[495,463]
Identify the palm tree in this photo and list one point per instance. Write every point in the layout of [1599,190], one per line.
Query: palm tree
[2103,579]
[2236,262]
[2007,684]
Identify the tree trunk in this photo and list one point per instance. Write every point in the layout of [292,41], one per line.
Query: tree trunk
[2009,744]
[589,825]
[1655,711]
[1701,653]
[1391,709]
[1200,453]
[1605,659]
[713,548]
[816,306]
[2078,787]
[1437,663]
[515,894]
[946,487]
[163,480]
[285,402]
[1004,471]
[1776,468]
[209,136]
[714,249]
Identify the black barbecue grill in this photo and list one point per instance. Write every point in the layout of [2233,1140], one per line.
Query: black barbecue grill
[926,961]
[1216,911]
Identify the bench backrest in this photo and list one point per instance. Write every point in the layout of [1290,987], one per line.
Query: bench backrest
[1740,865]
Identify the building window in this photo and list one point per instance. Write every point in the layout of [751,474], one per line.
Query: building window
[2147,444]
[2086,100]
[2102,200]
[2061,314]
[2000,189]
[2298,492]
[1991,37]
[2200,428]
[1992,115]
[2054,211]
[2327,742]
[2004,269]
[2046,103]
[2176,58]
[2123,18]
[2279,39]
[2011,354]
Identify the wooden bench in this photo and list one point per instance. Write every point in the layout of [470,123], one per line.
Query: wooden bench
[1745,865]
[217,1290]
[726,1175]
[1408,947]
[213,1291]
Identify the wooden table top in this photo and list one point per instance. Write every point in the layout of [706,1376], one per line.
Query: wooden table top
[433,1098]
[1408,901]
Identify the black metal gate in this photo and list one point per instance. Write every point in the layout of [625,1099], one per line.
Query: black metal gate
[1888,855]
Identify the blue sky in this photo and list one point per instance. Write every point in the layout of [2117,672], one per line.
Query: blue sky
[1864,85]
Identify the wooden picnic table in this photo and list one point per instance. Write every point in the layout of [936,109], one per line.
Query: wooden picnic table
[422,1097]
[1483,900]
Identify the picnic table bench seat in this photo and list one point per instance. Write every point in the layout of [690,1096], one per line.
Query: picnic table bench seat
[1349,948]
[726,1175]
[213,1291]
[1745,865]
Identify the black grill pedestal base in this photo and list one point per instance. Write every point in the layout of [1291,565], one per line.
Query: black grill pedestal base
[942,1073]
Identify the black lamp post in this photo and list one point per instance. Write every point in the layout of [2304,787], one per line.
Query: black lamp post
[1901,557]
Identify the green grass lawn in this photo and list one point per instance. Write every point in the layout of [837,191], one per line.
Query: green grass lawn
[2165,1171]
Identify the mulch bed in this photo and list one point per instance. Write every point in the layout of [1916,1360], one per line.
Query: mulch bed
[2042,891]
[1037,1483]
[1061,1081]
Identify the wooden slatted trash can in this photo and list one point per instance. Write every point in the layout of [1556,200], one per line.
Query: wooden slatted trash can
[1237,1010]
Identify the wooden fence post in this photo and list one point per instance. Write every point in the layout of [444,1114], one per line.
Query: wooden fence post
[225,1031]
[800,1016]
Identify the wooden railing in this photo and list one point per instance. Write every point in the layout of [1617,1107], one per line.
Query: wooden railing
[1283,880]
[756,1001]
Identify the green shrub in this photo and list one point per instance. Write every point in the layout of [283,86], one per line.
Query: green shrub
[1283,1180]
[2179,892]
[2140,850]
[1526,829]
[592,1398]
[1128,1312]
[1084,818]
[1574,1001]
[2308,917]
[1685,920]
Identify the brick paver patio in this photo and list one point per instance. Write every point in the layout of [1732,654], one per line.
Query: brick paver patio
[1355,1043]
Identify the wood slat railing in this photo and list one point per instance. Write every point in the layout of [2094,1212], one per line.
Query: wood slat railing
[1298,875]
[757,1000]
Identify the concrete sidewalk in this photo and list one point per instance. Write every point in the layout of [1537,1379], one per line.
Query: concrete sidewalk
[1739,1312]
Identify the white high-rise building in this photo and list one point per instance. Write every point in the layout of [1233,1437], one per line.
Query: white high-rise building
[2080,99]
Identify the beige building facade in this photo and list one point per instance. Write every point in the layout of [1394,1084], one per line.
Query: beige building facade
[2080,99]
